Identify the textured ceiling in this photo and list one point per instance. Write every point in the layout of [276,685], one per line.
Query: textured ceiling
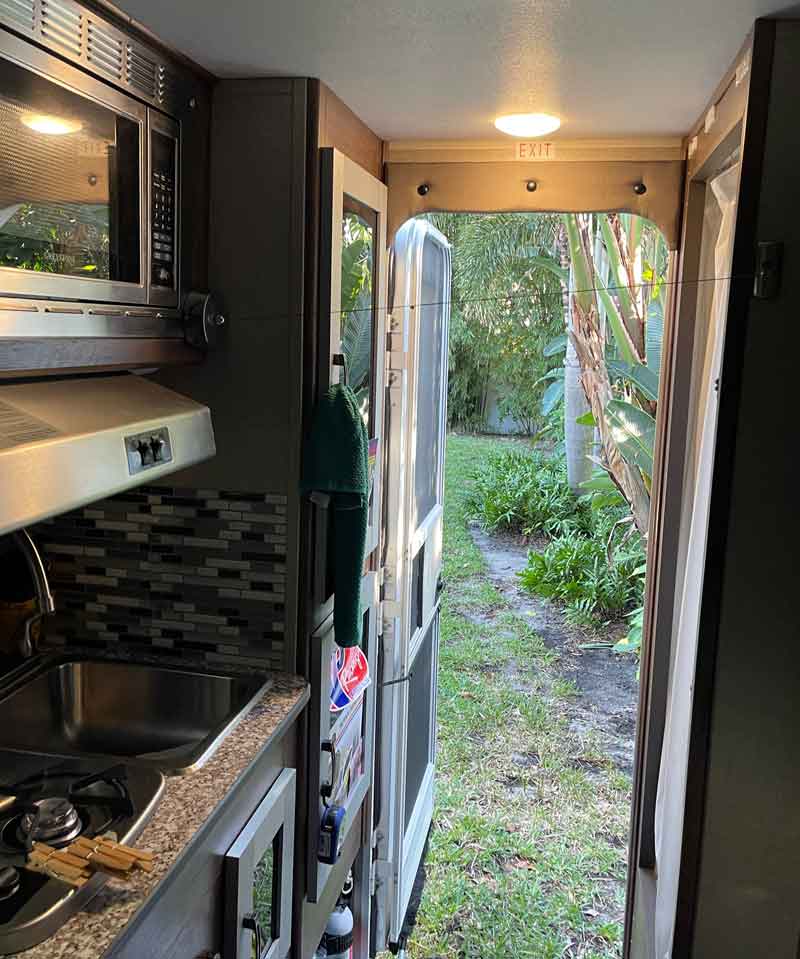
[443,69]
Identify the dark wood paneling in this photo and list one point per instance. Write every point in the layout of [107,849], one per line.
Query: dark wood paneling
[252,381]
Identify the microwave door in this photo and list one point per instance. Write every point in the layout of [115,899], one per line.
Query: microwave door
[72,173]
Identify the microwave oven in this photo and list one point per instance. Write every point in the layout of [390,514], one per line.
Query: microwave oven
[89,182]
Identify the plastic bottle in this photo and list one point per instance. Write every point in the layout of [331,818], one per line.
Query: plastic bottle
[338,939]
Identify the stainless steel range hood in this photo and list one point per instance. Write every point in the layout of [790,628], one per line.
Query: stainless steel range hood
[70,442]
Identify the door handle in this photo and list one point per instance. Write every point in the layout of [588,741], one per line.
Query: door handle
[439,585]
[251,922]
[326,789]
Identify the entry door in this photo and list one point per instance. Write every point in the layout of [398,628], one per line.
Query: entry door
[416,415]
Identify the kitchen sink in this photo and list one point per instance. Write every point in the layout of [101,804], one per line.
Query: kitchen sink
[170,718]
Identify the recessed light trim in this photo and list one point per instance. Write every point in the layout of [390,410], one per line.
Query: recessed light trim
[50,125]
[527,124]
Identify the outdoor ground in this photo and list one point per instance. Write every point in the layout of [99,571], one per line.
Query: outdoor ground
[528,849]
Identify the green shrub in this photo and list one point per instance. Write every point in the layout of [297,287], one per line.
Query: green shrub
[522,491]
[575,569]
[594,562]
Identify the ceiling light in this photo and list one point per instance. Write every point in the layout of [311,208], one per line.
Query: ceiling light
[51,125]
[527,124]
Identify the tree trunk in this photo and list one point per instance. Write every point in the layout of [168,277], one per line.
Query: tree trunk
[578,439]
[590,349]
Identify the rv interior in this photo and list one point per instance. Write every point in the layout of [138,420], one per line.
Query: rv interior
[211,736]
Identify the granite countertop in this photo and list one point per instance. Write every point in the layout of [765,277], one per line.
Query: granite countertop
[186,804]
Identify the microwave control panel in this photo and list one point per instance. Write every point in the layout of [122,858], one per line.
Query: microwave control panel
[163,210]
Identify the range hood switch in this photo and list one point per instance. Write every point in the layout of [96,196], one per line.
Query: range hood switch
[146,450]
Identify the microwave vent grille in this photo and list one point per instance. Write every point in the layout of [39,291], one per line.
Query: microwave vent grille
[77,34]
[141,72]
[62,26]
[20,14]
[105,51]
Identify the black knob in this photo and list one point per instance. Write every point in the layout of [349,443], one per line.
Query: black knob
[531,185]
[9,882]
[639,188]
[424,189]
[156,445]
[144,451]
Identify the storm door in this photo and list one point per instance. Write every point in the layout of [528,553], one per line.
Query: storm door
[416,416]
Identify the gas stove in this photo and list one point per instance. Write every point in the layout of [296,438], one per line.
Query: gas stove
[54,799]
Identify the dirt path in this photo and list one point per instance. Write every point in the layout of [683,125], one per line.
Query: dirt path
[605,704]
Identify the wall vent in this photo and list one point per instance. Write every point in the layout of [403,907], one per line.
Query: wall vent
[62,26]
[105,50]
[20,14]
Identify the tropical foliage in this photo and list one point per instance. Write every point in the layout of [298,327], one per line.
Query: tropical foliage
[506,307]
[593,561]
[618,265]
[356,315]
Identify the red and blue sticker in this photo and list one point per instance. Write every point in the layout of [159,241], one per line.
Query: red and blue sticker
[349,676]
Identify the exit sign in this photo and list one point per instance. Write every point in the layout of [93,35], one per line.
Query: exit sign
[534,150]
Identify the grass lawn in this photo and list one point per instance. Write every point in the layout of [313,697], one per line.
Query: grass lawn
[528,850]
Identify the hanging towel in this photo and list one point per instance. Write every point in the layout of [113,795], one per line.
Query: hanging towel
[336,463]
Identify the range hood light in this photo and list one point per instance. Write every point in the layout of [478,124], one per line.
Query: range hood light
[50,125]
[527,124]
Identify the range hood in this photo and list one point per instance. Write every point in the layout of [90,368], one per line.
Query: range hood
[67,443]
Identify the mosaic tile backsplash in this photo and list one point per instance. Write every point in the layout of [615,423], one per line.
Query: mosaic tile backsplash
[203,570]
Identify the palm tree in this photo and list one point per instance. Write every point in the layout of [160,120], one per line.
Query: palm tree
[618,264]
[506,306]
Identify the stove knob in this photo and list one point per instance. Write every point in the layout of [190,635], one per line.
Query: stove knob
[9,881]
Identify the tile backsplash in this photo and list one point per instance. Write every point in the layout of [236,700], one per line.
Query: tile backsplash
[165,568]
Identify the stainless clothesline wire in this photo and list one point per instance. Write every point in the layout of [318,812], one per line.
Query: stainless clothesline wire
[510,297]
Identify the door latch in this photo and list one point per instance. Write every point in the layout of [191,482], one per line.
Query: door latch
[769,259]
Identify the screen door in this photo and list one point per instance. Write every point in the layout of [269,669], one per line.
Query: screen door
[415,427]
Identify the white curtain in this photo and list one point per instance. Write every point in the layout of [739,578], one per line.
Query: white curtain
[674,757]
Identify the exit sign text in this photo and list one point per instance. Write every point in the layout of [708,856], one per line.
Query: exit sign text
[534,150]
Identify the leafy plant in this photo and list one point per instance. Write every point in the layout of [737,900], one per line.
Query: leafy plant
[619,263]
[593,573]
[506,307]
[523,491]
[632,642]
[356,316]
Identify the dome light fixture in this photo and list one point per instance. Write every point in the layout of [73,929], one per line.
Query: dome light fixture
[50,125]
[527,124]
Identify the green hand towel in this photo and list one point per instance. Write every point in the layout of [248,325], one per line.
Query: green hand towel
[336,462]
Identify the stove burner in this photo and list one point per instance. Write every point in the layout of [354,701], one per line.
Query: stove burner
[59,804]
[53,820]
[53,800]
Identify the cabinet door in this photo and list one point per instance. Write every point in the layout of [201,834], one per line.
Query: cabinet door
[258,878]
[416,424]
[352,325]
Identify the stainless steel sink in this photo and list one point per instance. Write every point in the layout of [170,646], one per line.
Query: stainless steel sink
[167,717]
